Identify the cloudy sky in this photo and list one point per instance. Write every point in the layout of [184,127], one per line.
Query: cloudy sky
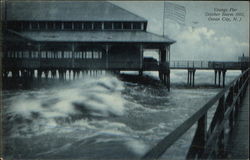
[199,38]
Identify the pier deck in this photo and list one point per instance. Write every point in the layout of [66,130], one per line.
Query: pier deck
[238,147]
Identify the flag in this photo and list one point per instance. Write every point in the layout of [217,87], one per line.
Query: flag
[175,12]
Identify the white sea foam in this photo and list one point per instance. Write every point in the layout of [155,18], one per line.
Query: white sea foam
[98,97]
[138,147]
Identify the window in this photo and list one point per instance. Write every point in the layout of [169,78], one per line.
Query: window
[55,54]
[47,54]
[13,54]
[67,25]
[126,25]
[34,54]
[97,25]
[18,54]
[117,25]
[88,25]
[107,25]
[97,54]
[78,55]
[83,54]
[100,55]
[26,25]
[42,25]
[50,25]
[26,54]
[34,25]
[59,54]
[67,54]
[8,54]
[78,26]
[88,54]
[50,54]
[43,54]
[137,25]
[58,25]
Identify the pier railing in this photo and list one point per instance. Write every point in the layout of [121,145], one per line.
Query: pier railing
[206,141]
[207,65]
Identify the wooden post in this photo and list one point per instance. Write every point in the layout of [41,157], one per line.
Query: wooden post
[215,77]
[193,76]
[141,56]
[32,74]
[160,75]
[140,72]
[107,56]
[229,102]
[74,74]
[219,77]
[73,54]
[70,74]
[168,80]
[39,74]
[199,141]
[190,77]
[46,74]
[221,144]
[224,77]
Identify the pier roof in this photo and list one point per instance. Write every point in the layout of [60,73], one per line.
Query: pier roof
[97,36]
[68,11]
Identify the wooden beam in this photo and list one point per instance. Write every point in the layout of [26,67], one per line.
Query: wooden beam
[141,56]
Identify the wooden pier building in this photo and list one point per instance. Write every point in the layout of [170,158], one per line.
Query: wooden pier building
[60,36]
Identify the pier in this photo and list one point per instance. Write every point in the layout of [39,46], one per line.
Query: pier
[29,68]
[226,136]
[220,68]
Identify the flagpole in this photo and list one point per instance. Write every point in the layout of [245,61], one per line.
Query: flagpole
[163,24]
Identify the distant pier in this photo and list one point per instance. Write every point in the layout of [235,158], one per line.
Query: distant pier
[220,68]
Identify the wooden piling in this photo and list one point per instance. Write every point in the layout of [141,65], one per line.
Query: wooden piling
[215,77]
[219,77]
[193,77]
[224,77]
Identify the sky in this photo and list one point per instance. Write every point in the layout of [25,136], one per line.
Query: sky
[200,38]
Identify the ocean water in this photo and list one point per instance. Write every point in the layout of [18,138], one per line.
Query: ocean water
[102,117]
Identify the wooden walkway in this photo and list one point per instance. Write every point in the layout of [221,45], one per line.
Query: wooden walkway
[238,147]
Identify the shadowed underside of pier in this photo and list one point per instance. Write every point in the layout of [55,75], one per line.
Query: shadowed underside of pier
[238,147]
